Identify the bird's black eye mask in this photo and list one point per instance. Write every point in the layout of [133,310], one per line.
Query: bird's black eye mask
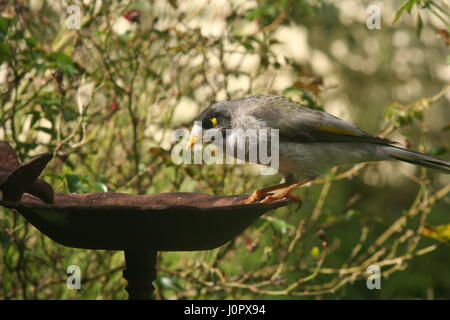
[218,121]
[214,119]
[210,123]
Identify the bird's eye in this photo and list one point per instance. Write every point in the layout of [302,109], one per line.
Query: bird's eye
[214,122]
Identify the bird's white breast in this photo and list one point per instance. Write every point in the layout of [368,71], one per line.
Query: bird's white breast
[313,159]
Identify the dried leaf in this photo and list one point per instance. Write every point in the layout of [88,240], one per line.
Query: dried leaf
[440,233]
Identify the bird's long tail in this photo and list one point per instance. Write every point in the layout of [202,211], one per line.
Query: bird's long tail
[418,158]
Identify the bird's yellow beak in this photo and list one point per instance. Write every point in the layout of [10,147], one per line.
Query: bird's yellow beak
[192,141]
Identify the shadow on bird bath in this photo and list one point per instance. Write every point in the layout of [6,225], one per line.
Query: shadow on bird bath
[139,225]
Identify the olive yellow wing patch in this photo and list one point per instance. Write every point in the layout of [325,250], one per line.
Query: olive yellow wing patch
[337,130]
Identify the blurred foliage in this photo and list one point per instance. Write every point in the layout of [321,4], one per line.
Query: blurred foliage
[435,7]
[105,99]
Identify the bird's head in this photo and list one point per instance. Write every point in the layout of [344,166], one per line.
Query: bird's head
[216,118]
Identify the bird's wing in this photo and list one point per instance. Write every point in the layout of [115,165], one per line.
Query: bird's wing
[301,124]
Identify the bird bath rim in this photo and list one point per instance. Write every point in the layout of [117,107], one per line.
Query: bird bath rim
[132,222]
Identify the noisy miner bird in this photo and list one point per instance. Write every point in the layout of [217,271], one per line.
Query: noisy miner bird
[310,141]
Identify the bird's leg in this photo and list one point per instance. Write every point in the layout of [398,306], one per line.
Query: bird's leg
[285,193]
[263,193]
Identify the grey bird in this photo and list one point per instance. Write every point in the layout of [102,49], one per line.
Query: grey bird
[310,141]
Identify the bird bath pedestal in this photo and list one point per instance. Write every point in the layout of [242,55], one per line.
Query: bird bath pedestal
[139,225]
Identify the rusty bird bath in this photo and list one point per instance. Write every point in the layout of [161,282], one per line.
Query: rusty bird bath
[139,225]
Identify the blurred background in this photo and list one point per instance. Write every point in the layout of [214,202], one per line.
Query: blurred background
[106,97]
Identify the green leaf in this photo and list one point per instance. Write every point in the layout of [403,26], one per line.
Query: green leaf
[410,5]
[167,283]
[4,239]
[4,26]
[437,151]
[70,114]
[280,225]
[18,35]
[77,183]
[63,62]
[31,42]
[419,25]
[99,187]
[407,5]
[5,52]
[46,130]
[248,46]
[293,90]
[252,14]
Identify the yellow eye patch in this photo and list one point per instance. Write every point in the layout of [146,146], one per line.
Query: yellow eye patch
[214,122]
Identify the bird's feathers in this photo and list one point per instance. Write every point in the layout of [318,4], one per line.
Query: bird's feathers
[300,124]
[418,158]
[311,141]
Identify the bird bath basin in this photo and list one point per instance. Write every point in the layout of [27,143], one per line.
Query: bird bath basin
[139,225]
[162,221]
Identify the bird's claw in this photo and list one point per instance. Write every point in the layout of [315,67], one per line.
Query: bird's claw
[283,196]
[256,197]
[261,197]
[276,193]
